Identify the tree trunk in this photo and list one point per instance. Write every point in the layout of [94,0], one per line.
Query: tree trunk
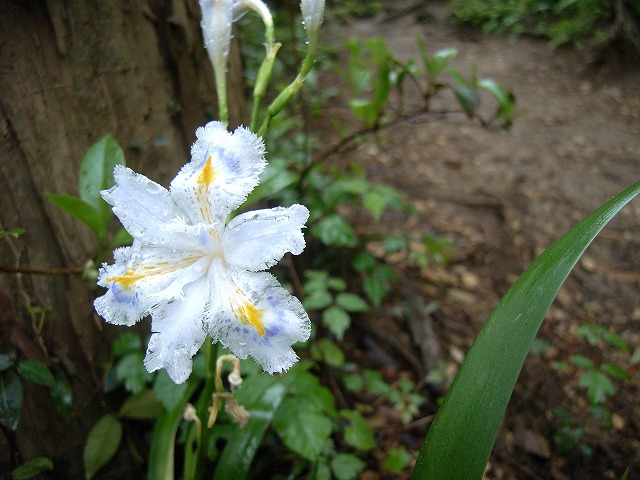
[70,72]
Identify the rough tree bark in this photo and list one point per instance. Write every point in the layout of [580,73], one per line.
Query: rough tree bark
[70,72]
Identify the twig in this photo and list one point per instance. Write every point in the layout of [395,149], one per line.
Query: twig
[42,271]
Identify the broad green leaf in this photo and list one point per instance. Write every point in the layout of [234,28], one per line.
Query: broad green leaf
[346,466]
[396,461]
[261,396]
[36,372]
[615,371]
[335,231]
[120,239]
[96,174]
[590,332]
[337,320]
[467,97]
[365,110]
[582,361]
[32,468]
[461,437]
[353,382]
[598,385]
[376,284]
[130,370]
[303,429]
[102,444]
[301,382]
[62,395]
[440,61]
[169,393]
[358,433]
[375,203]
[616,341]
[330,353]
[5,362]
[127,342]
[82,211]
[273,179]
[318,300]
[144,405]
[11,397]
[337,284]
[351,302]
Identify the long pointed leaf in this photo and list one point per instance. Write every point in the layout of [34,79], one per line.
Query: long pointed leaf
[461,437]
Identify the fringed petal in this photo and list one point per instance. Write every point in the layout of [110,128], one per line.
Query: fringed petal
[257,240]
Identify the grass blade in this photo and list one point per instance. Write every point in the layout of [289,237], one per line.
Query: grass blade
[461,437]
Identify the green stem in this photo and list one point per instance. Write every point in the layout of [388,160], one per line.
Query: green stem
[196,448]
[288,93]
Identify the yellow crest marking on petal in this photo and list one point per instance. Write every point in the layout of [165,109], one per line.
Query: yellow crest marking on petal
[128,279]
[132,275]
[247,313]
[208,174]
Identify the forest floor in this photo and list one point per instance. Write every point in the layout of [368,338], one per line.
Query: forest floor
[500,198]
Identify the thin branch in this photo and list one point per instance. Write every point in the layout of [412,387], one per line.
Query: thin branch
[42,271]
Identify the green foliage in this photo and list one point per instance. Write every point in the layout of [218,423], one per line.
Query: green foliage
[12,232]
[96,174]
[400,395]
[358,433]
[36,372]
[373,72]
[397,460]
[102,444]
[336,307]
[569,437]
[460,439]
[346,466]
[32,468]
[11,397]
[578,22]
[12,391]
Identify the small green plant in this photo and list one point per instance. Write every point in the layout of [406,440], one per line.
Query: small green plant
[96,175]
[400,395]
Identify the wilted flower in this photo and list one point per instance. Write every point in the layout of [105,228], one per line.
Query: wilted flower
[198,275]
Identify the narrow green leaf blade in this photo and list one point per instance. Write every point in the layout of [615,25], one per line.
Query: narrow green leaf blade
[102,444]
[461,437]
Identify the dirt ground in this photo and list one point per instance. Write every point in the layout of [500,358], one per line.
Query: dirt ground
[501,198]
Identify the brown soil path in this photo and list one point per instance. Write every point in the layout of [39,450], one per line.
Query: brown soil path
[501,198]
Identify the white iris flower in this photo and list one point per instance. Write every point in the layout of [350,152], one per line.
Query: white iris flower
[196,274]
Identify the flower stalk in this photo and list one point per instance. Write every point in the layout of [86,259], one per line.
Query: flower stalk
[312,17]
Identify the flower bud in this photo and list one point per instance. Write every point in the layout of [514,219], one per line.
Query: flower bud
[312,16]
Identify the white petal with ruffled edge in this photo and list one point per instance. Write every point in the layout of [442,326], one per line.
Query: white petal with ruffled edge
[141,204]
[253,315]
[178,332]
[224,168]
[257,240]
[141,278]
